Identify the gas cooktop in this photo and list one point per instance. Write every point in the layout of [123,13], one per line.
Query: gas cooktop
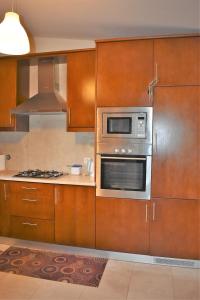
[39,174]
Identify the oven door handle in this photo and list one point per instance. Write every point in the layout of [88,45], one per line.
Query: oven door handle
[124,158]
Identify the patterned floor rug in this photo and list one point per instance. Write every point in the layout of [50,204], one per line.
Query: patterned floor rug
[53,266]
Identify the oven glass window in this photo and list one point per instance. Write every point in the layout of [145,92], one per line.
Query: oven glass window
[117,125]
[123,174]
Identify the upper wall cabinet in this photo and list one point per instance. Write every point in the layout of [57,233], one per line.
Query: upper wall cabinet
[8,90]
[124,72]
[177,60]
[81,90]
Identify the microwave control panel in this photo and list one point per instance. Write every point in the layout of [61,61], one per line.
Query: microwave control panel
[140,125]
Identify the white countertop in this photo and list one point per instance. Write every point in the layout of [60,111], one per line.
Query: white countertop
[65,179]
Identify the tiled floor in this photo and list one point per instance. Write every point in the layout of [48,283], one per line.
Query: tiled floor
[121,281]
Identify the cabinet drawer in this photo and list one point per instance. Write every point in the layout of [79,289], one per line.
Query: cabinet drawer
[31,189]
[31,206]
[32,229]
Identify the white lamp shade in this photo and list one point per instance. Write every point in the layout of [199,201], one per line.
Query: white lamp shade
[13,37]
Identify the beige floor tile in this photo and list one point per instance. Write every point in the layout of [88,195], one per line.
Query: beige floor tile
[186,285]
[3,247]
[150,282]
[16,287]
[53,290]
[114,283]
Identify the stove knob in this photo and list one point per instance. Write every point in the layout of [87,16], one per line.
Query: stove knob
[116,150]
[123,150]
[130,151]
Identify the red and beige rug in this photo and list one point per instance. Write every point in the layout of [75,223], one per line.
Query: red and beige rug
[62,267]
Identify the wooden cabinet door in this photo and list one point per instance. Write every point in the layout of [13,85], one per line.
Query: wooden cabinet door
[4,209]
[124,71]
[75,216]
[177,60]
[81,90]
[174,230]
[175,151]
[122,225]
[8,83]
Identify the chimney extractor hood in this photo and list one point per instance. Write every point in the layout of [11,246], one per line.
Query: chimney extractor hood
[47,100]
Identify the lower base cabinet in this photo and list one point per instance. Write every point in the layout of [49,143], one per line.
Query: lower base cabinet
[175,228]
[75,216]
[122,225]
[4,210]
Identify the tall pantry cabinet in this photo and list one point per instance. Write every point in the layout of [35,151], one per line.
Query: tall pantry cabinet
[174,230]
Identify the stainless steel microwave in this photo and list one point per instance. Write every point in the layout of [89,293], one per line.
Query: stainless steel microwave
[125,123]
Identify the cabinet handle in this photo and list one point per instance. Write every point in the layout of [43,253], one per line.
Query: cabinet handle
[5,192]
[146,213]
[69,116]
[152,84]
[155,142]
[29,200]
[29,224]
[28,188]
[56,195]
[154,211]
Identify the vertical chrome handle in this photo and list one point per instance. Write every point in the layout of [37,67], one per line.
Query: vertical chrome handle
[156,73]
[146,213]
[154,211]
[56,195]
[5,192]
[155,142]
[69,116]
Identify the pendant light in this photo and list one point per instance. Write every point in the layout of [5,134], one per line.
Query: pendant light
[13,37]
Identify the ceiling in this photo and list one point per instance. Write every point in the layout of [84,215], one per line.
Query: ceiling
[96,19]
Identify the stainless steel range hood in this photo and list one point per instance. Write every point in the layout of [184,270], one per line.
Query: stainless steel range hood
[47,100]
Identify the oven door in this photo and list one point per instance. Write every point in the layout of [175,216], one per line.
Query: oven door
[124,176]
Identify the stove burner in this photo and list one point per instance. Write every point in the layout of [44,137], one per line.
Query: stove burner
[39,174]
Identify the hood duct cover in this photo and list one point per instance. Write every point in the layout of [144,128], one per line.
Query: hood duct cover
[47,100]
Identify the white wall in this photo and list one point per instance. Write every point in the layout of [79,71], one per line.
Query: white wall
[58,44]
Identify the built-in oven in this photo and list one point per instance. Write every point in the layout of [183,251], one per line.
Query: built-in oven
[124,152]
[124,176]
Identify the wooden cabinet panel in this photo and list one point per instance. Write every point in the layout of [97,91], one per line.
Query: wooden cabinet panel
[124,71]
[177,60]
[81,90]
[4,210]
[75,216]
[30,205]
[32,229]
[175,156]
[32,189]
[174,231]
[122,225]
[8,82]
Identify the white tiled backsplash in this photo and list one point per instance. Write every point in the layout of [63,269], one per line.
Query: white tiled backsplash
[46,146]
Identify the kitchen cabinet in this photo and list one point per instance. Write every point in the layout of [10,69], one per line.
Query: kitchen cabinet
[122,225]
[177,60]
[4,210]
[75,216]
[31,209]
[124,72]
[174,229]
[8,91]
[9,77]
[175,171]
[81,90]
